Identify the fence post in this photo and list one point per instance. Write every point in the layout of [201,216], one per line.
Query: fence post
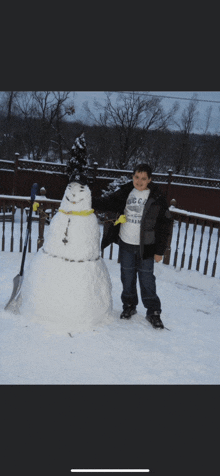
[166,258]
[170,173]
[42,218]
[95,166]
[15,178]
[94,177]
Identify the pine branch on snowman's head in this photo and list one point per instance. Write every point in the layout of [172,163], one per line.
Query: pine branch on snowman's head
[77,168]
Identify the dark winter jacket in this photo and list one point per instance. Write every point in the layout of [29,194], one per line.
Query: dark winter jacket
[155,224]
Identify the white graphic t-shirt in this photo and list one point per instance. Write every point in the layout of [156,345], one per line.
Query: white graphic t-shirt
[130,231]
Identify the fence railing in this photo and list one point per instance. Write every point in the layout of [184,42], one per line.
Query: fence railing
[167,178]
[23,164]
[99,172]
[193,243]
[13,223]
[197,194]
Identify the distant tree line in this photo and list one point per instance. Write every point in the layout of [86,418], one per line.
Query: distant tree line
[123,133]
[31,123]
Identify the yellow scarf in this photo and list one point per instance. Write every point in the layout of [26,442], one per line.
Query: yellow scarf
[83,213]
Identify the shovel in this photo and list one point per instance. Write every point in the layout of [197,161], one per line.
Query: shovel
[17,281]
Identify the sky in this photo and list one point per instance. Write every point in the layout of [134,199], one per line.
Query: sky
[205,100]
[183,97]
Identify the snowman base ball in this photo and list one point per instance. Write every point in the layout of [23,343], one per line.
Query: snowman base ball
[67,285]
[66,295]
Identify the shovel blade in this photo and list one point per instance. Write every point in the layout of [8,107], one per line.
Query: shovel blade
[17,282]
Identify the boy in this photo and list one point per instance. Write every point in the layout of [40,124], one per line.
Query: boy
[142,233]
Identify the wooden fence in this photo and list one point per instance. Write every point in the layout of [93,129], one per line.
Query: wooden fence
[197,194]
[193,243]
[95,172]
[198,236]
[47,209]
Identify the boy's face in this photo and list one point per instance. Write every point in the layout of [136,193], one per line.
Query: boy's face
[141,180]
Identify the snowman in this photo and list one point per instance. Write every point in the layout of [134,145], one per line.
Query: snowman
[67,285]
[74,232]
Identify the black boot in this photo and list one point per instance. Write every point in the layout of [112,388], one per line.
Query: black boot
[128,312]
[155,320]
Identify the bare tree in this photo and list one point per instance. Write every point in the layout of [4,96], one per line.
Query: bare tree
[131,116]
[186,153]
[43,112]
[209,157]
[58,113]
[52,108]
[26,110]
[8,108]
[208,118]
[189,115]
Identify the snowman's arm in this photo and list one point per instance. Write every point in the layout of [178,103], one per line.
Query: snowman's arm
[106,204]
[115,202]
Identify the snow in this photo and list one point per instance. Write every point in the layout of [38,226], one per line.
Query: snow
[8,161]
[104,178]
[116,170]
[44,171]
[194,177]
[121,352]
[67,297]
[81,233]
[193,214]
[15,197]
[42,346]
[41,162]
[7,170]
[69,269]
[192,185]
[37,198]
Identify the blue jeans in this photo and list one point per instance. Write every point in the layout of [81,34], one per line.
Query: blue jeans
[131,266]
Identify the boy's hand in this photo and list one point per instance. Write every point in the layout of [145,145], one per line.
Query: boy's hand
[121,219]
[158,258]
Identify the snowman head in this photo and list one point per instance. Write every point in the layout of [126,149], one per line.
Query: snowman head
[77,197]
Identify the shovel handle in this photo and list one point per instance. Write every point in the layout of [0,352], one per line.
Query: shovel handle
[34,190]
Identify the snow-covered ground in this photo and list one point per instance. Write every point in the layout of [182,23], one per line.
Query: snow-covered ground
[121,352]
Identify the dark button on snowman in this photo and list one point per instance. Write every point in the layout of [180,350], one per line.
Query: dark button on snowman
[67,284]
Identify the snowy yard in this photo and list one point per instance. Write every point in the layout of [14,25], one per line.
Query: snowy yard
[122,352]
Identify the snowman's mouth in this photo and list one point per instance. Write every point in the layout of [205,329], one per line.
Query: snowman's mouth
[74,202]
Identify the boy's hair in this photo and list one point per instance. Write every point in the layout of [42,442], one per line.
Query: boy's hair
[143,168]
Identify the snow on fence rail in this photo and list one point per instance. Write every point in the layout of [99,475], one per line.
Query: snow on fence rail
[100,172]
[23,164]
[193,243]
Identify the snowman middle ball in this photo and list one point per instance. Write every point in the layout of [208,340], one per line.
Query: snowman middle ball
[74,231]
